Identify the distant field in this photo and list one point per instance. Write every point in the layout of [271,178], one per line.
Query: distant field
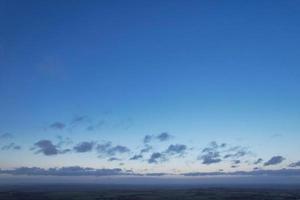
[132,193]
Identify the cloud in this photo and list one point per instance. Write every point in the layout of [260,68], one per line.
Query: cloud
[258,161]
[295,164]
[163,136]
[109,150]
[6,136]
[274,160]
[64,141]
[176,149]
[84,147]
[92,127]
[66,171]
[210,158]
[11,146]
[57,125]
[147,139]
[211,154]
[113,159]
[236,162]
[256,172]
[79,119]
[156,158]
[136,157]
[81,171]
[146,149]
[46,147]
[237,152]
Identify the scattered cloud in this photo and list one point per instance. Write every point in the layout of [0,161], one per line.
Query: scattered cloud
[108,149]
[147,139]
[211,154]
[113,159]
[176,149]
[57,125]
[163,136]
[236,162]
[146,149]
[274,160]
[237,152]
[11,146]
[79,119]
[156,158]
[84,147]
[295,164]
[258,161]
[6,136]
[47,148]
[136,157]
[210,158]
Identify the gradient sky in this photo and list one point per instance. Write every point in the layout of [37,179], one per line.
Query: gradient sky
[222,75]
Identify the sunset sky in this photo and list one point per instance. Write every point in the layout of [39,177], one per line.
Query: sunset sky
[149,87]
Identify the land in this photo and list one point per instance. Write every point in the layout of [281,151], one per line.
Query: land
[102,192]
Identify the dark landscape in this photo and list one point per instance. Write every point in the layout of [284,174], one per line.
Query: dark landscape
[100,192]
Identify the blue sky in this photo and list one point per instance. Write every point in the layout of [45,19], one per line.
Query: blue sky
[202,73]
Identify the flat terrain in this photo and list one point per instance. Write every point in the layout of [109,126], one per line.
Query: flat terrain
[62,192]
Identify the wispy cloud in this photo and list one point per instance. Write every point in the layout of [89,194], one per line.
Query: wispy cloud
[295,164]
[11,146]
[6,136]
[107,149]
[57,125]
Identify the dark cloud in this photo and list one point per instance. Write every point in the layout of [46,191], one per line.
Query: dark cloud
[258,161]
[6,136]
[156,158]
[46,147]
[295,164]
[57,125]
[136,157]
[257,172]
[176,149]
[84,147]
[113,159]
[11,146]
[109,150]
[236,162]
[163,136]
[274,160]
[210,158]
[66,171]
[211,154]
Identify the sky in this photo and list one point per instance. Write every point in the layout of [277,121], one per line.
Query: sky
[149,88]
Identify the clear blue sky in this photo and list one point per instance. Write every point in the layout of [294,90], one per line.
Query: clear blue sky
[112,72]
